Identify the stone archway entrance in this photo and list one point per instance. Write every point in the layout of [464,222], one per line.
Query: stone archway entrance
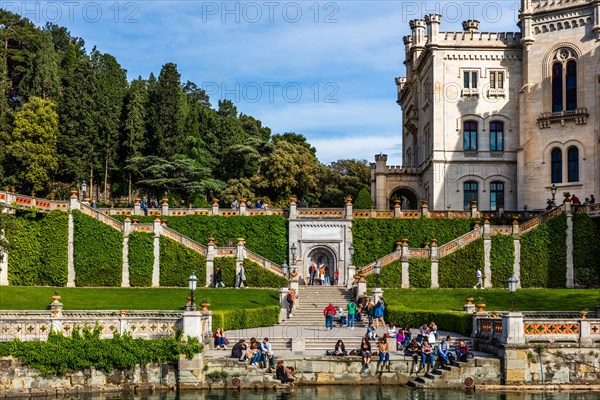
[408,198]
[323,255]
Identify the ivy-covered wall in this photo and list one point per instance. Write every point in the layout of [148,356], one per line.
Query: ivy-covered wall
[459,269]
[390,276]
[543,254]
[586,251]
[502,258]
[177,263]
[97,252]
[374,238]
[141,258]
[245,318]
[256,276]
[38,249]
[265,235]
[419,272]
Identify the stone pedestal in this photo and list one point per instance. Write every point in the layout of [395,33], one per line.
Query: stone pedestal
[512,328]
[3,265]
[164,209]
[192,324]
[350,276]
[377,293]
[361,288]
[469,308]
[283,303]
[156,266]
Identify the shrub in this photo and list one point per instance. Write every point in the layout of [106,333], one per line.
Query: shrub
[390,276]
[586,251]
[256,275]
[458,322]
[141,258]
[245,318]
[419,272]
[502,259]
[363,200]
[177,262]
[459,268]
[98,252]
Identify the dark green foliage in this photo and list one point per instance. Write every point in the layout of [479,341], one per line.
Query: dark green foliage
[458,322]
[256,276]
[98,252]
[374,238]
[177,263]
[543,254]
[459,269]
[85,349]
[502,259]
[38,249]
[245,318]
[419,272]
[586,251]
[141,258]
[363,200]
[390,276]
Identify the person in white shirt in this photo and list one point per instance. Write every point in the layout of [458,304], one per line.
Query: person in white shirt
[479,279]
[267,352]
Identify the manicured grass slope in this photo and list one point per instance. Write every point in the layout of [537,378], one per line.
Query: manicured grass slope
[38,298]
[495,299]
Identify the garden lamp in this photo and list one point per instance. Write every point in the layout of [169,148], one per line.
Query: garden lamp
[284,268]
[512,288]
[193,282]
[377,271]
[83,188]
[351,251]
[553,191]
[293,250]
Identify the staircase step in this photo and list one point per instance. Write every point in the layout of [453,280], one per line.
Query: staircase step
[436,372]
[415,384]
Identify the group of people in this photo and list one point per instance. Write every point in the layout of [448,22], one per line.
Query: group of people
[240,277]
[259,354]
[588,200]
[321,273]
[354,311]
[258,205]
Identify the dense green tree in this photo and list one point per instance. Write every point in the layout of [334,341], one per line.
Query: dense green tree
[134,125]
[343,178]
[43,77]
[295,138]
[32,144]
[363,201]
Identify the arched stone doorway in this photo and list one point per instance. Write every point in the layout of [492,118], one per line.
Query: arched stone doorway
[408,198]
[323,255]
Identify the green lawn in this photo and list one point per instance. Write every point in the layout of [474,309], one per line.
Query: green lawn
[495,299]
[38,298]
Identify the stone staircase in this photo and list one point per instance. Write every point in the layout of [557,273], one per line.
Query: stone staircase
[434,377]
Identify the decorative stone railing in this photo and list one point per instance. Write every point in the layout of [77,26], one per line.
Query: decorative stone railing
[537,220]
[271,266]
[36,325]
[184,240]
[462,241]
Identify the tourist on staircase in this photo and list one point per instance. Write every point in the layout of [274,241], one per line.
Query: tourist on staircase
[444,353]
[413,350]
[220,339]
[218,278]
[239,350]
[384,355]
[378,312]
[284,374]
[351,311]
[256,355]
[327,278]
[371,332]
[291,299]
[329,313]
[462,351]
[370,310]
[321,274]
[312,271]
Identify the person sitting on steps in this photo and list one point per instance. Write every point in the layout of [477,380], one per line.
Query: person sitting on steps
[427,357]
[444,353]
[284,374]
[413,350]
[462,351]
[267,354]
[365,352]
[384,355]
[371,332]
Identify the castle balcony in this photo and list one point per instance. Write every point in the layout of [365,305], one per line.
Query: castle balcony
[497,92]
[579,116]
[470,92]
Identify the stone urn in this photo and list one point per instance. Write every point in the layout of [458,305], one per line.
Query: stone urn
[469,300]
[396,203]
[348,200]
[55,298]
[293,200]
[205,304]
[480,307]
[583,314]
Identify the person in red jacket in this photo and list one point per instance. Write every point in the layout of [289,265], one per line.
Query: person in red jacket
[329,313]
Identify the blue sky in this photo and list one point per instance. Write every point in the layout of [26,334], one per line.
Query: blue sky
[324,69]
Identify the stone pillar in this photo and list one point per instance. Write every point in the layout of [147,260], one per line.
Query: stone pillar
[123,322]
[404,257]
[569,214]
[3,264]
[215,206]
[240,252]
[210,261]
[126,232]
[516,233]
[348,209]
[361,288]
[487,253]
[243,207]
[33,200]
[585,334]
[512,328]
[377,293]
[73,205]
[283,303]
[433,254]
[164,208]
[474,212]
[293,208]
[381,199]
[192,324]
[397,209]
[433,22]
[56,308]
[350,276]
[137,209]
[156,267]
[424,208]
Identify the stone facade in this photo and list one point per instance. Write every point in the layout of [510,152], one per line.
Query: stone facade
[481,118]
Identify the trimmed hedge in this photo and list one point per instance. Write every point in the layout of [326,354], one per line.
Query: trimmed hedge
[264,234]
[458,322]
[38,254]
[543,254]
[374,238]
[141,258]
[586,251]
[459,268]
[419,272]
[245,318]
[256,276]
[98,252]
[177,262]
[390,276]
[502,258]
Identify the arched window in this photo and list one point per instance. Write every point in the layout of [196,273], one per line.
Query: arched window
[496,195]
[470,193]
[557,92]
[573,166]
[556,161]
[470,136]
[496,136]
[571,85]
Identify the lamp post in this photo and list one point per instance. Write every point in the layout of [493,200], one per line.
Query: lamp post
[377,271]
[83,189]
[284,268]
[351,251]
[512,288]
[553,191]
[293,249]
[192,281]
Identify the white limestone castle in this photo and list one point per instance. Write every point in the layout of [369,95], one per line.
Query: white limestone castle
[498,117]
